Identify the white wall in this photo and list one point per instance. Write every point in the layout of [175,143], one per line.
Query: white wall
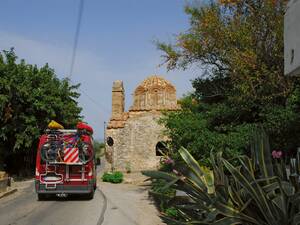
[292,39]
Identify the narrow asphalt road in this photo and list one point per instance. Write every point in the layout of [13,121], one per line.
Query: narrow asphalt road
[113,204]
[23,208]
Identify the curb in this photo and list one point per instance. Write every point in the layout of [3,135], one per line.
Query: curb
[9,192]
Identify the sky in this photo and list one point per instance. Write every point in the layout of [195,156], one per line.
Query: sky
[116,42]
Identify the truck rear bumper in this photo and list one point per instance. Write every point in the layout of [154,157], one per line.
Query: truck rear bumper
[61,188]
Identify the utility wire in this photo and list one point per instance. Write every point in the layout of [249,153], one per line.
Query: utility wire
[81,5]
[95,102]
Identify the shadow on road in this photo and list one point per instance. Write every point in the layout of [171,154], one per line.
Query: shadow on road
[67,198]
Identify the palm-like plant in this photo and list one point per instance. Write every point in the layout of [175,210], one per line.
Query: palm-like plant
[257,191]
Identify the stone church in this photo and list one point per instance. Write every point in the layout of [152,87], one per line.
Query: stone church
[133,136]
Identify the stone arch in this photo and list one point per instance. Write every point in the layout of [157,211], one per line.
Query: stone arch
[160,148]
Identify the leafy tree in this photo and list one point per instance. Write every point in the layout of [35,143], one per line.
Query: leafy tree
[239,46]
[29,98]
[99,148]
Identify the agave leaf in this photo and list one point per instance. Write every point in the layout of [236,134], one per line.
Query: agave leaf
[195,176]
[254,190]
[298,161]
[283,169]
[154,174]
[247,163]
[194,166]
[228,221]
[296,219]
[170,184]
[160,195]
[235,196]
[280,169]
[197,181]
[211,216]
[220,180]
[189,159]
[234,213]
[171,221]
[284,186]
[264,156]
[188,206]
[294,205]
[296,199]
[294,179]
[246,205]
[271,187]
[219,176]
[253,147]
[281,210]
[192,191]
[181,200]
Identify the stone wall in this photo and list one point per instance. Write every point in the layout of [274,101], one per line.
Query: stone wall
[134,145]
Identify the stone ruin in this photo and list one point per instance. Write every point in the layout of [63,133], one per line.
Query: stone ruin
[135,135]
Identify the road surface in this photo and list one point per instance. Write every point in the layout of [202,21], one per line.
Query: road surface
[113,204]
[22,208]
[129,205]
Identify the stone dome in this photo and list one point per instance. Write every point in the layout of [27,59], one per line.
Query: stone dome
[155,81]
[154,93]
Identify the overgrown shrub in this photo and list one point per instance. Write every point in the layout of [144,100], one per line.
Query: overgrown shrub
[241,82]
[257,191]
[162,194]
[113,177]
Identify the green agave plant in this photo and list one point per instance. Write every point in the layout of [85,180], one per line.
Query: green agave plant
[256,190]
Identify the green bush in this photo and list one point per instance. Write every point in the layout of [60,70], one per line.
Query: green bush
[258,191]
[159,187]
[162,194]
[114,177]
[171,212]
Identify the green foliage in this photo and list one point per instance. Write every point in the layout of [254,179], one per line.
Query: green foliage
[237,48]
[162,193]
[172,212]
[29,98]
[113,177]
[99,148]
[196,128]
[257,191]
[159,187]
[242,82]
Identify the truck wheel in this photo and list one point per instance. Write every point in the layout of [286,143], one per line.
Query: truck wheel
[41,197]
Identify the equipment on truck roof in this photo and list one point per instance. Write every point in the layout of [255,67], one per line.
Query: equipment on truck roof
[67,146]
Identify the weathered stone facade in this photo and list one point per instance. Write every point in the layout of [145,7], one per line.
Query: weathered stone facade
[137,132]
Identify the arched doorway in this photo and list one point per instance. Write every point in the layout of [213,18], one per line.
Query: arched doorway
[161,148]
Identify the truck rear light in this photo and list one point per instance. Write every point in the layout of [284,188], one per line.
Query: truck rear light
[37,172]
[90,172]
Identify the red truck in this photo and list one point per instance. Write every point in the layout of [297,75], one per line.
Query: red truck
[65,163]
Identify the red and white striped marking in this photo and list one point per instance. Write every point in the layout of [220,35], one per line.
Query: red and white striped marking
[71,155]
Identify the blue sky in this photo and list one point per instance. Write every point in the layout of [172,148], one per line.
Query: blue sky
[115,43]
